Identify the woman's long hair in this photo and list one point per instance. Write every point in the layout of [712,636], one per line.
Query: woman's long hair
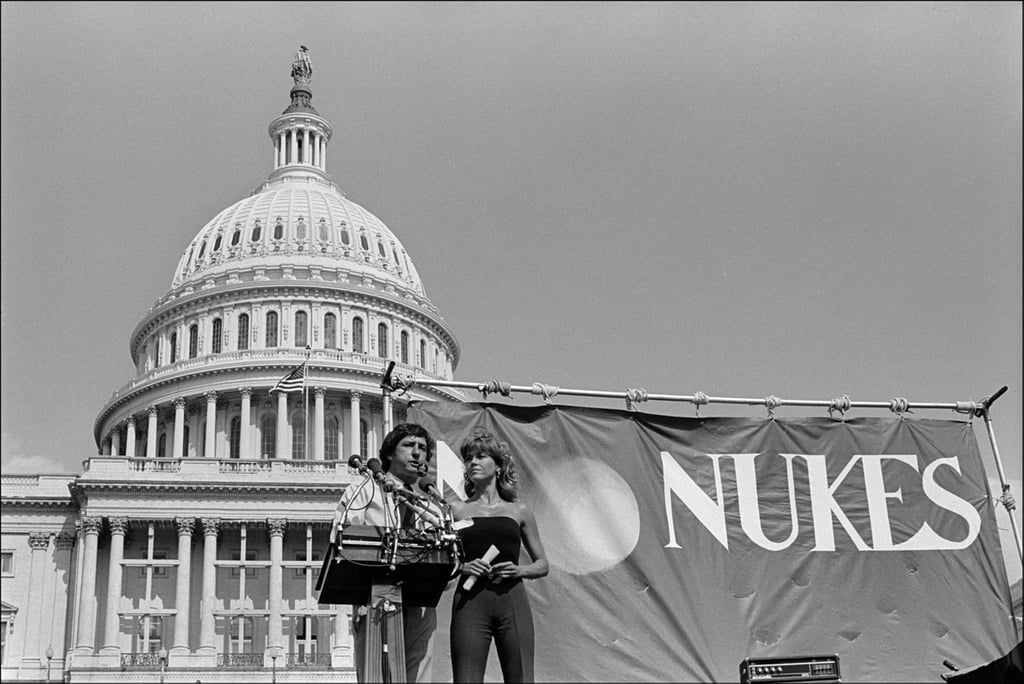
[483,443]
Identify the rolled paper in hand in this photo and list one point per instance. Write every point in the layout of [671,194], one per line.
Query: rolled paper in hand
[489,555]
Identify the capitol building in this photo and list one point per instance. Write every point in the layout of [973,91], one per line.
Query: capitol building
[189,547]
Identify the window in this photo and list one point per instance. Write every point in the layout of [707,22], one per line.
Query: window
[256,230]
[149,634]
[305,634]
[158,570]
[268,437]
[279,229]
[345,239]
[218,328]
[364,243]
[184,444]
[298,437]
[357,335]
[174,347]
[5,625]
[7,563]
[161,449]
[315,560]
[301,326]
[202,251]
[382,341]
[330,331]
[380,250]
[364,438]
[235,437]
[423,354]
[236,237]
[300,230]
[321,230]
[156,350]
[243,331]
[193,341]
[271,339]
[331,439]
[404,344]
[216,243]
[249,556]
[240,634]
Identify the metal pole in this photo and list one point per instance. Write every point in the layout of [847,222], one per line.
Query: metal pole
[385,392]
[1002,480]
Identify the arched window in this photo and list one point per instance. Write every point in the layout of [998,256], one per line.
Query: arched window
[268,437]
[345,239]
[331,439]
[301,328]
[202,251]
[193,341]
[298,437]
[256,231]
[235,437]
[300,230]
[279,229]
[218,331]
[236,236]
[382,341]
[174,347]
[185,443]
[243,331]
[380,250]
[330,331]
[321,230]
[423,354]
[363,242]
[156,350]
[216,243]
[357,335]
[404,344]
[364,438]
[161,446]
[271,340]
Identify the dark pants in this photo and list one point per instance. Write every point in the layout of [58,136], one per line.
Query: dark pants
[497,611]
[418,635]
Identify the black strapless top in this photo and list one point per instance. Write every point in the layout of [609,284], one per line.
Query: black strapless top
[500,530]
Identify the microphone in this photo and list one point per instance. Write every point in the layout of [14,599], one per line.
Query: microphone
[373,465]
[355,462]
[488,556]
[429,485]
[422,469]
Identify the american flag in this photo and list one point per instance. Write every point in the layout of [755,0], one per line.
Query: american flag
[295,381]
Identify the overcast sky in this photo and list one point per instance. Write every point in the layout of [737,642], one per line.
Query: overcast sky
[801,200]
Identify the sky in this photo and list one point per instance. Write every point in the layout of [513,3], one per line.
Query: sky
[744,199]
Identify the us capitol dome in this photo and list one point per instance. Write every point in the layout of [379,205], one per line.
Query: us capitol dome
[296,268]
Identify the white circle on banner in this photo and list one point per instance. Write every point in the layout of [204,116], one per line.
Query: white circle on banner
[588,519]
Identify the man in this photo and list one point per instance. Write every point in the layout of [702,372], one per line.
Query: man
[404,455]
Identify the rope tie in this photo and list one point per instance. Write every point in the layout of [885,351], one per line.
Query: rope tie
[401,384]
[841,404]
[502,388]
[772,402]
[899,406]
[546,391]
[635,396]
[699,399]
[968,407]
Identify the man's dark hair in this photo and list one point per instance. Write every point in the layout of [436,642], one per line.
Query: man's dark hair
[401,431]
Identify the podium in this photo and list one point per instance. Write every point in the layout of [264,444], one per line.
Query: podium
[385,568]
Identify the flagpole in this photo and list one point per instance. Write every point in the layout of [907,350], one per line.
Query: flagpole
[305,401]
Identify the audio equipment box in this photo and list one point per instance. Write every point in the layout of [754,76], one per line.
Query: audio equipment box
[790,669]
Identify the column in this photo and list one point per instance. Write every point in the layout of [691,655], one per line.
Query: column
[207,624]
[181,588]
[115,442]
[306,156]
[129,447]
[353,424]
[323,154]
[179,427]
[294,145]
[316,149]
[245,429]
[38,542]
[87,614]
[318,423]
[341,653]
[62,542]
[112,624]
[151,412]
[275,528]
[210,448]
[282,426]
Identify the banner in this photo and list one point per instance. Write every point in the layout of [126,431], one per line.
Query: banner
[681,546]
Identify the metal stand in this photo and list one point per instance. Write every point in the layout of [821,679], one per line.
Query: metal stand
[384,657]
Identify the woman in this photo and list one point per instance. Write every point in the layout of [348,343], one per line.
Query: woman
[494,604]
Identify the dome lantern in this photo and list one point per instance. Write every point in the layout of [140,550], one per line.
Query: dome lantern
[299,134]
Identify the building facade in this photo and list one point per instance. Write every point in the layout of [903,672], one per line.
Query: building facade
[189,546]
